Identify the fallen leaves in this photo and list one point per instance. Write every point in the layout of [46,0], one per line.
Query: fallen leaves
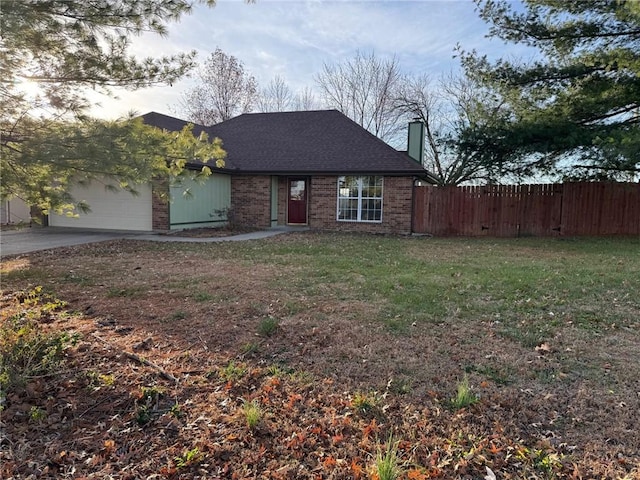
[192,427]
[310,429]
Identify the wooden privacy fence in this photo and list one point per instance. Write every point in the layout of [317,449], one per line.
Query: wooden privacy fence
[528,210]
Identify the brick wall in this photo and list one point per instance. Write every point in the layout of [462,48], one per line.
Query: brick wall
[396,207]
[251,203]
[251,200]
[160,204]
[398,204]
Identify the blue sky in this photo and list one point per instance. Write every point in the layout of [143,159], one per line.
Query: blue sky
[294,38]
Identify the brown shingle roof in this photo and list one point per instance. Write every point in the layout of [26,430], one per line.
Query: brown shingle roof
[308,142]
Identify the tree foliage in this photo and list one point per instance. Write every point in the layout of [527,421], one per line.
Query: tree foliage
[62,49]
[578,105]
[57,154]
[224,91]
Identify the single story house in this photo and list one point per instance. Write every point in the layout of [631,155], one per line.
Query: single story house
[314,168]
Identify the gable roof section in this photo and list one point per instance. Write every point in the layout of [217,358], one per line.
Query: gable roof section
[308,142]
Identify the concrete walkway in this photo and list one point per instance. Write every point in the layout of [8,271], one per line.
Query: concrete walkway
[257,235]
[33,239]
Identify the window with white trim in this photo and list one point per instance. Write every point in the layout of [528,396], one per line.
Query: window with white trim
[360,199]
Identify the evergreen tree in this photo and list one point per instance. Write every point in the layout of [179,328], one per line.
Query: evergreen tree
[65,47]
[576,110]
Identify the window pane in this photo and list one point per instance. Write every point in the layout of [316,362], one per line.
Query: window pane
[372,192]
[360,198]
[369,209]
[348,209]
[368,181]
[296,190]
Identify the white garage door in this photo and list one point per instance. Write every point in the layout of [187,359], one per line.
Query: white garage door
[109,210]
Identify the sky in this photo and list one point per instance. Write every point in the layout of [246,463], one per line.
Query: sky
[294,39]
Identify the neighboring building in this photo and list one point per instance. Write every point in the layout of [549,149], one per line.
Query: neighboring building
[14,211]
[313,168]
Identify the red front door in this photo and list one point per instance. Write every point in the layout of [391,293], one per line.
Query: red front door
[297,201]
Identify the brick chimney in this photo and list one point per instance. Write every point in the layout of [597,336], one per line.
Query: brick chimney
[415,142]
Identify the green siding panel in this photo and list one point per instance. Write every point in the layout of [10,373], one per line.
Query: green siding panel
[203,205]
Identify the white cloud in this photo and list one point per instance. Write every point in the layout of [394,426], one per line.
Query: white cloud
[294,38]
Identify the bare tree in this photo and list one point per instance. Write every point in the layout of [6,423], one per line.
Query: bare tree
[225,91]
[276,97]
[364,89]
[446,109]
[305,99]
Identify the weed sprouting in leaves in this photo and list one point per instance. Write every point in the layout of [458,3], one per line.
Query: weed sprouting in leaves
[26,350]
[541,459]
[178,315]
[365,403]
[36,414]
[125,292]
[387,463]
[268,326]
[96,381]
[151,394]
[275,371]
[464,395]
[189,458]
[252,413]
[143,415]
[250,348]
[399,386]
[280,371]
[202,297]
[233,371]
[146,404]
[176,411]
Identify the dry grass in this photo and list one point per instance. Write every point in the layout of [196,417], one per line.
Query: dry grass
[545,330]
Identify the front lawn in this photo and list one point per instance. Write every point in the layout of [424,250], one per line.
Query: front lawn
[322,355]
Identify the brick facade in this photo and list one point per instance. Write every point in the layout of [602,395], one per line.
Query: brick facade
[251,204]
[160,205]
[251,200]
[397,202]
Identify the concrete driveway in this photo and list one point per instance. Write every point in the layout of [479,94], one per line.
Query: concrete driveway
[32,239]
